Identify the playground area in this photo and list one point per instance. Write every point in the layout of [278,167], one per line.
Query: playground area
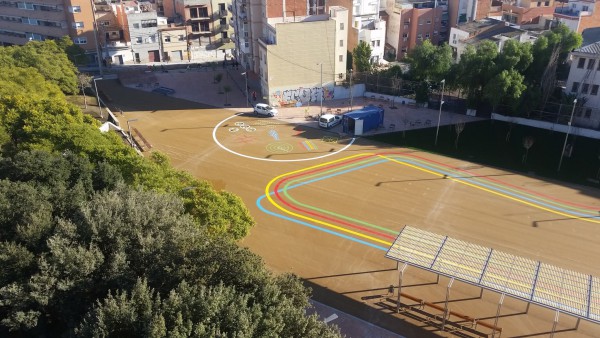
[328,209]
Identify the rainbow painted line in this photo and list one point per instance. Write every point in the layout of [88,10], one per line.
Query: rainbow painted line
[277,193]
[308,145]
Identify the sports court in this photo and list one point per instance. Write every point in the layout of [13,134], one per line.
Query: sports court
[328,209]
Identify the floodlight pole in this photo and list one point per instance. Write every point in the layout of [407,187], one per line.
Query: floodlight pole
[247,94]
[351,92]
[567,135]
[98,97]
[129,131]
[322,92]
[440,113]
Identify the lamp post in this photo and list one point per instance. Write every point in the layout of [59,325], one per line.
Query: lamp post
[322,92]
[440,113]
[129,131]
[98,97]
[567,135]
[95,24]
[247,97]
[351,93]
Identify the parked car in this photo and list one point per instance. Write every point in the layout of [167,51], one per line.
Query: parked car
[329,121]
[264,109]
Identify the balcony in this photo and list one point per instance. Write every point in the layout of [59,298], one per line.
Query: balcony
[570,12]
[223,27]
[222,13]
[117,45]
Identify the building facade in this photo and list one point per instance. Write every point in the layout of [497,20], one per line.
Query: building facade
[410,22]
[41,20]
[528,12]
[584,83]
[578,15]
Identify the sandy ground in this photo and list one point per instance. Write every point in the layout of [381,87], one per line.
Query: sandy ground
[311,228]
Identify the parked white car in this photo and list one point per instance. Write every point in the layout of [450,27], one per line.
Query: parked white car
[329,120]
[264,109]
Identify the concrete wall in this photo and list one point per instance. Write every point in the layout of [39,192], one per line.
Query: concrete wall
[310,43]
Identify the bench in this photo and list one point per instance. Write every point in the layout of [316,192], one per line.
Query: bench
[469,323]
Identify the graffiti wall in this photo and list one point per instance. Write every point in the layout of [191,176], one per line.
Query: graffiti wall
[301,96]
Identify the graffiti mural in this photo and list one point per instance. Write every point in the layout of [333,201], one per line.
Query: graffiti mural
[301,96]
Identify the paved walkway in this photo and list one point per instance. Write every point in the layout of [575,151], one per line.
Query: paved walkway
[198,85]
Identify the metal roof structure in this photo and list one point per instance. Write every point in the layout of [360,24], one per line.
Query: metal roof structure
[539,283]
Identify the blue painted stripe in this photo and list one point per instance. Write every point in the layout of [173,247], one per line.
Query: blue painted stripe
[335,233]
[535,279]
[589,297]
[438,253]
[487,262]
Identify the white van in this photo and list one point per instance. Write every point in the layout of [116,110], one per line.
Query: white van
[329,120]
[264,109]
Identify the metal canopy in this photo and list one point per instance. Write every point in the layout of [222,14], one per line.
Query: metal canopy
[539,283]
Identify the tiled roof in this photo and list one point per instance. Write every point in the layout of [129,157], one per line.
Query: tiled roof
[593,48]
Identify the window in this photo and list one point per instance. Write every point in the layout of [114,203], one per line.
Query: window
[341,43]
[78,25]
[594,90]
[195,27]
[588,113]
[372,43]
[104,23]
[75,9]
[581,63]
[428,22]
[138,39]
[167,38]
[420,22]
[341,26]
[148,23]
[405,35]
[316,7]
[341,58]
[575,87]
[181,38]
[80,41]
[584,88]
[547,3]
[426,35]
[585,8]
[405,26]
[591,63]
[25,5]
[539,4]
[136,25]
[194,13]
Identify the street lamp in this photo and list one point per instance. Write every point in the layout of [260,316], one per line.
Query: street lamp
[247,97]
[98,97]
[567,135]
[322,92]
[351,93]
[95,24]
[129,131]
[440,113]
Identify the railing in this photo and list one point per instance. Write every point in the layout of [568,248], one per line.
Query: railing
[222,13]
[117,44]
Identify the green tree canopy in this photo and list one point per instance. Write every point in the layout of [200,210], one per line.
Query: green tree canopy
[429,62]
[362,57]
[48,58]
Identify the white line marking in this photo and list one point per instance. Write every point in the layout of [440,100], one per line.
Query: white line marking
[214,134]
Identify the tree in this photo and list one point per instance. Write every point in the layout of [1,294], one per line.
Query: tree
[26,82]
[475,69]
[527,144]
[429,62]
[459,127]
[226,90]
[362,57]
[48,58]
[506,85]
[84,82]
[75,53]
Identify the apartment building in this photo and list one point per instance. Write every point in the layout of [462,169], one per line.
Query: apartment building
[297,49]
[412,21]
[529,12]
[578,15]
[40,20]
[584,82]
[474,32]
[142,25]
[207,24]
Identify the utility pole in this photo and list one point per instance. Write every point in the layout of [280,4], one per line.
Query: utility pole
[567,135]
[322,92]
[351,92]
[440,113]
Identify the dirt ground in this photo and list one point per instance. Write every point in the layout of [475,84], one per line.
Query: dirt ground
[328,207]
